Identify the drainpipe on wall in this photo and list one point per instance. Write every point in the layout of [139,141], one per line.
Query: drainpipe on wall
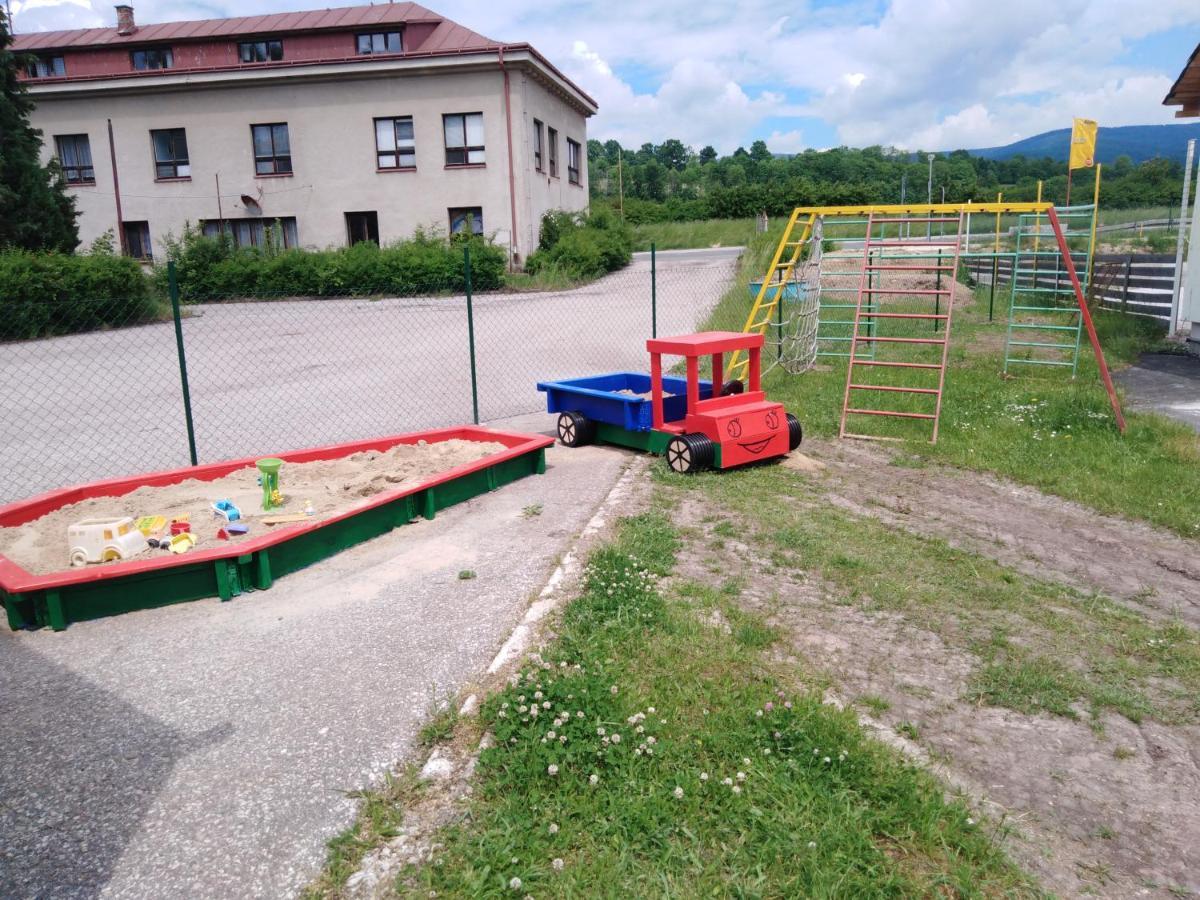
[112,155]
[512,178]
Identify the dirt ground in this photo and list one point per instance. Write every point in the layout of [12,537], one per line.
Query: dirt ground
[1105,808]
[329,487]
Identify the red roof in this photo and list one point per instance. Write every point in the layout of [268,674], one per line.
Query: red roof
[447,36]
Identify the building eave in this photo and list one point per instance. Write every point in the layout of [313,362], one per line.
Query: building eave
[1185,92]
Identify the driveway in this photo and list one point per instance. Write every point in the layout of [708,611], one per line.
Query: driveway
[1167,383]
[207,749]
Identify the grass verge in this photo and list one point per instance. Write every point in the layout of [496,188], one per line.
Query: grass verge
[1035,425]
[663,760]
[691,235]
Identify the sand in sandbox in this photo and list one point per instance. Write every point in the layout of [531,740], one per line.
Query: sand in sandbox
[331,486]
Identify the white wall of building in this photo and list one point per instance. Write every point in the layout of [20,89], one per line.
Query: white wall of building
[330,124]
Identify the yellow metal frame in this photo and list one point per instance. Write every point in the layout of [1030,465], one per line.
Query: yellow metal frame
[770,295]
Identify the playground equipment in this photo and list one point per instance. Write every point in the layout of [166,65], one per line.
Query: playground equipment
[227,510]
[229,569]
[269,469]
[802,257]
[104,540]
[696,424]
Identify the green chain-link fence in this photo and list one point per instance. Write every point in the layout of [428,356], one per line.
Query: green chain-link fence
[266,374]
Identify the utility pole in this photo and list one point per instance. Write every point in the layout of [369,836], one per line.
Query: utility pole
[621,180]
[929,193]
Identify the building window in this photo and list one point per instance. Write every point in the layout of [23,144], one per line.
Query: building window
[572,161]
[464,139]
[538,158]
[75,157]
[170,153]
[379,42]
[361,227]
[260,51]
[395,147]
[460,216]
[137,239]
[46,67]
[553,137]
[279,232]
[156,58]
[272,149]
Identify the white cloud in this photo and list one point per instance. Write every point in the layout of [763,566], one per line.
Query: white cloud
[786,142]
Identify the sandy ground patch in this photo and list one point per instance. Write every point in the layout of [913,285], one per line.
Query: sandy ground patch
[330,486]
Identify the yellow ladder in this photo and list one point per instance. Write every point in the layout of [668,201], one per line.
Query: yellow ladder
[788,255]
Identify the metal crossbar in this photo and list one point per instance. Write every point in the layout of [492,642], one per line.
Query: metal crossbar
[866,317]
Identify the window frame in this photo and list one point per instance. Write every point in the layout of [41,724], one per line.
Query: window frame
[465,149]
[573,150]
[143,237]
[275,154]
[77,167]
[552,141]
[359,35]
[539,145]
[266,44]
[166,56]
[175,162]
[396,150]
[289,229]
[370,220]
[476,220]
[56,61]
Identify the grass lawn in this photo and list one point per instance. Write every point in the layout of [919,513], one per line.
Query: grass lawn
[689,235]
[1035,425]
[665,761]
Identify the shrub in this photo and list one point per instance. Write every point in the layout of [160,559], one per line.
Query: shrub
[45,294]
[580,245]
[210,268]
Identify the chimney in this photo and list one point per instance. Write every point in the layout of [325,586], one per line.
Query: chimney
[125,23]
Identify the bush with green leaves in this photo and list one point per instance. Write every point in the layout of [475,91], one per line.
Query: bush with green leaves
[213,268]
[581,245]
[46,294]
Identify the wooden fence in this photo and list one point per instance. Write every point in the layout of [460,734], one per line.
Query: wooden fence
[1138,283]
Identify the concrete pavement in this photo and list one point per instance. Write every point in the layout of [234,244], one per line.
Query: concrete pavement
[206,749]
[1167,383]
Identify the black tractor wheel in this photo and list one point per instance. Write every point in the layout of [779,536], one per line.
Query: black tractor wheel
[689,453]
[795,432]
[575,430]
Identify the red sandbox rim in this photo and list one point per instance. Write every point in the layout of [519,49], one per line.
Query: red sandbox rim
[16,580]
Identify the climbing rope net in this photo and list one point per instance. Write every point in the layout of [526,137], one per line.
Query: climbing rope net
[792,344]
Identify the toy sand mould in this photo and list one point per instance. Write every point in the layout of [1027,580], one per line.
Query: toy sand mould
[331,486]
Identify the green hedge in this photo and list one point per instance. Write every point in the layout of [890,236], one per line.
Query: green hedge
[582,245]
[209,268]
[44,294]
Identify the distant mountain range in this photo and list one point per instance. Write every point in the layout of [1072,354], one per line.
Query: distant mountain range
[1140,142]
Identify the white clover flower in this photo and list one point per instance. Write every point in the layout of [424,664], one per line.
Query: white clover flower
[741,776]
[613,689]
[816,751]
[737,789]
[616,738]
[745,760]
[537,695]
[812,845]
[678,792]
[521,699]
[514,884]
[704,776]
[638,751]
[970,821]
[651,739]
[522,709]
[766,751]
[826,759]
[552,769]
[758,713]
[579,713]
[727,781]
[593,778]
[601,731]
[640,729]
[551,734]
[557,864]
[553,828]
[562,738]
[546,705]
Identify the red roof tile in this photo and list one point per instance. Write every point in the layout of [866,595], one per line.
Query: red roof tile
[447,35]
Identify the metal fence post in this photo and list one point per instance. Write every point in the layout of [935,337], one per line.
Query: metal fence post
[653,292]
[937,298]
[471,332]
[173,290]
[992,292]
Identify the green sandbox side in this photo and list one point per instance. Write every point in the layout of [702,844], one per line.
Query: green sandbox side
[227,578]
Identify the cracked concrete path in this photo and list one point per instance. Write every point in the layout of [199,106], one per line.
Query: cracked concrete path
[207,749]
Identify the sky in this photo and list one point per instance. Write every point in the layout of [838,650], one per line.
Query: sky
[913,74]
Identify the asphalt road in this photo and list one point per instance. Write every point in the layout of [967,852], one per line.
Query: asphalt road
[205,750]
[1167,383]
[266,377]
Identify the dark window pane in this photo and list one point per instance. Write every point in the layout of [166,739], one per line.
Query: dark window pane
[364,43]
[283,164]
[393,42]
[281,139]
[264,167]
[262,140]
[275,50]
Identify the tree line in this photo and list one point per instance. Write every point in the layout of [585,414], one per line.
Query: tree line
[671,181]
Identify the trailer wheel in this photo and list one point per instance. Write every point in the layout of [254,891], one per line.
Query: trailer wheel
[575,430]
[795,432]
[689,453]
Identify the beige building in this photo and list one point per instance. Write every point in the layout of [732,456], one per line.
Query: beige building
[359,123]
